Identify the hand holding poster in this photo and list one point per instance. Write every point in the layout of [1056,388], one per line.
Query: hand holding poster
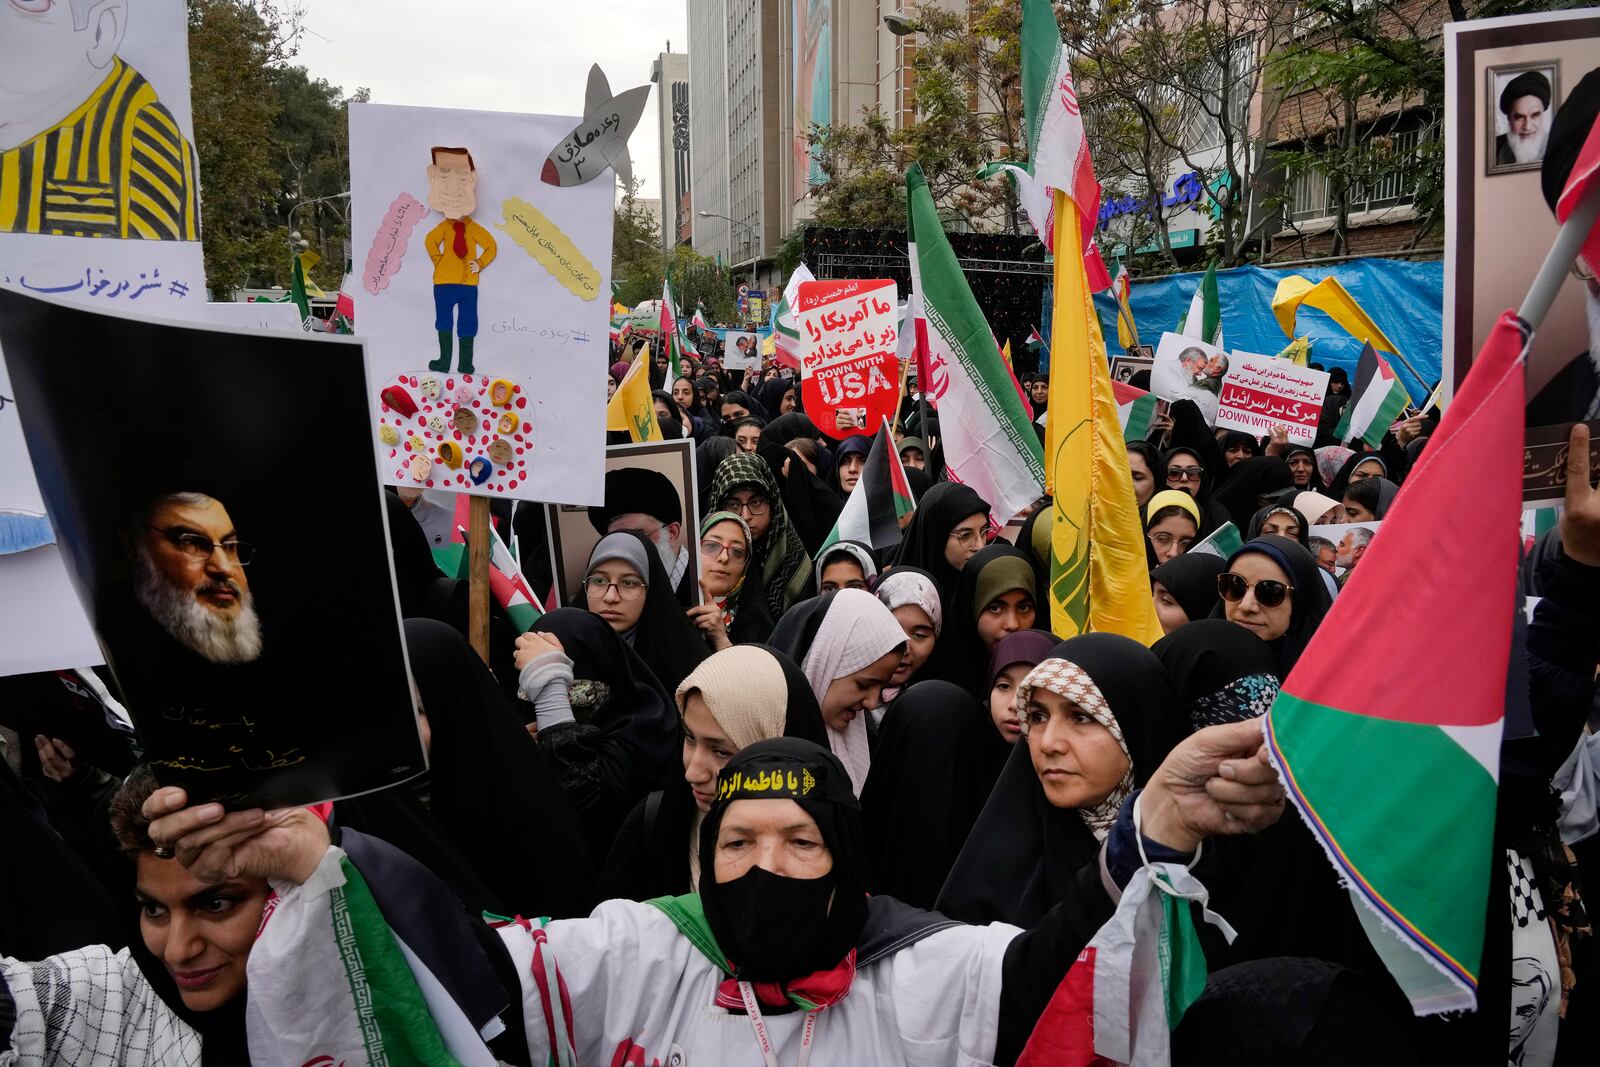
[167,487]
[849,335]
[1189,369]
[1261,393]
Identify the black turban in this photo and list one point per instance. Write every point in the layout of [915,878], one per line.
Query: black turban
[637,490]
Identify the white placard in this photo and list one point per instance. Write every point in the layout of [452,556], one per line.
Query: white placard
[1260,393]
[539,285]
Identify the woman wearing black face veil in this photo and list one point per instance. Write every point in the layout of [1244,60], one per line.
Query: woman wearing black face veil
[604,721]
[488,796]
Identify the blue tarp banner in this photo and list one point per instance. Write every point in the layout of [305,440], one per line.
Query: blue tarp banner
[1406,300]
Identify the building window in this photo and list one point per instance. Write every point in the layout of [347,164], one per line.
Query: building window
[1310,199]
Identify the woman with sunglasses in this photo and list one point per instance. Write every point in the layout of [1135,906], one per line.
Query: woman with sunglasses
[1272,589]
[734,611]
[1184,469]
[627,585]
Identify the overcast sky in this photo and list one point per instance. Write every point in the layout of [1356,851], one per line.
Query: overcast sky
[496,55]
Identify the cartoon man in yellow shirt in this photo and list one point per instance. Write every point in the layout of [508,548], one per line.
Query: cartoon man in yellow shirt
[86,147]
[460,250]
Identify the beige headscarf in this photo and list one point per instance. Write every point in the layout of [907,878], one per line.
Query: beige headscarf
[744,689]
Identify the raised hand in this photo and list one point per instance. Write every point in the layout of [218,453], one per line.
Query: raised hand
[1216,781]
[217,846]
[1580,520]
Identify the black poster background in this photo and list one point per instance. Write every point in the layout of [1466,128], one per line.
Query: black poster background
[116,411]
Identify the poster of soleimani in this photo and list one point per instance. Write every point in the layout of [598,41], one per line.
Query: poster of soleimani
[1521,95]
[100,205]
[484,291]
[209,511]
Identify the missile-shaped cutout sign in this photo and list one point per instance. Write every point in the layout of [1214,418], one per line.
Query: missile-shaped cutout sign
[601,139]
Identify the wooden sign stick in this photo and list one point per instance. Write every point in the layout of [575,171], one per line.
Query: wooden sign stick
[478,576]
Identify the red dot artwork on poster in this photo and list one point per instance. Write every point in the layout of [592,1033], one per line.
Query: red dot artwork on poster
[480,300]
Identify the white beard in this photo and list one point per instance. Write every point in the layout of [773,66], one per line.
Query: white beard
[217,637]
[1529,149]
[668,554]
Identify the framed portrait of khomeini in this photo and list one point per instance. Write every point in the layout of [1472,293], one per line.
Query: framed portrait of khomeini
[1519,106]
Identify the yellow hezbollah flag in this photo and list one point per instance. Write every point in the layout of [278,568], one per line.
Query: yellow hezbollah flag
[1098,576]
[632,408]
[1330,297]
[1297,351]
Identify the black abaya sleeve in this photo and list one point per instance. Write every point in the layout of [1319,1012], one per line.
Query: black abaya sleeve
[1037,960]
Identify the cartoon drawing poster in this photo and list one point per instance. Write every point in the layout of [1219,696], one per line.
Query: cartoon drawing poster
[484,296]
[99,203]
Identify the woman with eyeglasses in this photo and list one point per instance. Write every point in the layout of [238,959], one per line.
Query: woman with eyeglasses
[627,585]
[745,485]
[733,611]
[1272,589]
[1172,526]
[950,525]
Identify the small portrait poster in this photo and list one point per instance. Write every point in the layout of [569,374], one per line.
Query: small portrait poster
[1189,369]
[652,488]
[226,536]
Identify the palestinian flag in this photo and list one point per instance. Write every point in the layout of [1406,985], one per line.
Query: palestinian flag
[1396,773]
[1136,410]
[1224,541]
[1536,522]
[1204,318]
[506,583]
[989,441]
[1376,399]
[882,497]
[1034,341]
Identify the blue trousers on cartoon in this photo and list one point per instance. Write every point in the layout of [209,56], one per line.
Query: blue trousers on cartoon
[455,313]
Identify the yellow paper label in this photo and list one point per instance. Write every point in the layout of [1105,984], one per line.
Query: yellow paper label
[543,240]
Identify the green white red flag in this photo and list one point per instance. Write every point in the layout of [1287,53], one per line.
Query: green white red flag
[881,498]
[989,440]
[1396,773]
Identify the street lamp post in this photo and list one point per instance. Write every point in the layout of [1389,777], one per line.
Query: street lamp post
[755,252]
[298,244]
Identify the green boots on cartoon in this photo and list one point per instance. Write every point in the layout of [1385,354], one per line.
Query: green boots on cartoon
[465,366]
[442,364]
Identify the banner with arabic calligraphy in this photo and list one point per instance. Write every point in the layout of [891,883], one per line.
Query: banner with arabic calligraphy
[849,370]
[99,204]
[165,484]
[1260,393]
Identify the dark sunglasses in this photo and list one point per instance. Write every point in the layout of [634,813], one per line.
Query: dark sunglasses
[1185,474]
[1269,591]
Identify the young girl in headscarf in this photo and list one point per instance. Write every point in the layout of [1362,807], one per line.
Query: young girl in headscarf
[1369,500]
[735,698]
[913,598]
[744,484]
[1013,658]
[848,644]
[734,611]
[1172,525]
[627,585]
[1273,589]
[1098,716]
[995,596]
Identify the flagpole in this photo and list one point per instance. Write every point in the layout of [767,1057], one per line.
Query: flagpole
[1569,241]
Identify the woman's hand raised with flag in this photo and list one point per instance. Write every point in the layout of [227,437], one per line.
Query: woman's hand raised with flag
[1216,781]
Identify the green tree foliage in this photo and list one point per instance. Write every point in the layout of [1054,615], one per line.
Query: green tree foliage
[967,68]
[638,264]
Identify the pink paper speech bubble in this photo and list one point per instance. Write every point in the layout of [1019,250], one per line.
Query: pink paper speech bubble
[383,258]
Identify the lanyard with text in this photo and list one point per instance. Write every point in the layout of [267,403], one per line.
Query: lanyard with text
[752,1009]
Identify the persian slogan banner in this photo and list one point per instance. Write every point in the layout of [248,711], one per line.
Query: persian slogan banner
[1261,393]
[849,371]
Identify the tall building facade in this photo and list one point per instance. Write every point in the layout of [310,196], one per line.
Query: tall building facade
[670,73]
[708,127]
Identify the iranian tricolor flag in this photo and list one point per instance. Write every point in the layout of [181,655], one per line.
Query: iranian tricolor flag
[1376,399]
[671,332]
[1055,127]
[506,583]
[1136,410]
[1203,320]
[1395,772]
[882,497]
[700,322]
[785,330]
[989,442]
